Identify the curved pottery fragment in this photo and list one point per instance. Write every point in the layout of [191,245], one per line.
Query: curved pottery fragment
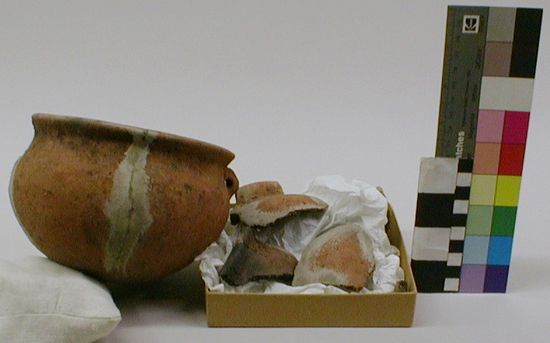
[341,257]
[252,260]
[119,202]
[261,204]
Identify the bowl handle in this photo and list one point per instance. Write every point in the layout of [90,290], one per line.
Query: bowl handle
[231,181]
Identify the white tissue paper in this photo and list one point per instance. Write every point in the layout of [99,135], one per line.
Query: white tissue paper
[356,203]
[44,302]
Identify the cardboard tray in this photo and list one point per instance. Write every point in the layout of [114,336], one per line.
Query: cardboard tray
[309,310]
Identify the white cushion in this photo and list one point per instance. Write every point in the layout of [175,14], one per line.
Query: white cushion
[42,302]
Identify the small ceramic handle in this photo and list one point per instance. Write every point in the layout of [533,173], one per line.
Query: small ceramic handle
[231,181]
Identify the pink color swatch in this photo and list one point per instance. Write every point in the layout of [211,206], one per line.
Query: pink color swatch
[489,126]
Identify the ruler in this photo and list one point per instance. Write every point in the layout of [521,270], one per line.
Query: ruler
[468,193]
[461,85]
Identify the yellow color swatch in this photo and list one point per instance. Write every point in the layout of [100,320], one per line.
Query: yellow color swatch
[507,190]
[482,191]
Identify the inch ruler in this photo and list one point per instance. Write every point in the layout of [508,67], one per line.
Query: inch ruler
[468,193]
[462,74]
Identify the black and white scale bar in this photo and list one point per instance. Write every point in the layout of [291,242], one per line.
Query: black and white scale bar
[440,224]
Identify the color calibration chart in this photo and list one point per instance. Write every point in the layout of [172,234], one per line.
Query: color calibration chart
[468,193]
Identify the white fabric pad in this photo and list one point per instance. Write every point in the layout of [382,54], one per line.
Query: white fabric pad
[44,302]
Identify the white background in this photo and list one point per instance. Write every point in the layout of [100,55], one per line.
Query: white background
[296,89]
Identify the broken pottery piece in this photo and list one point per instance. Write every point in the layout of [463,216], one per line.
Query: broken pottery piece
[252,260]
[254,191]
[263,203]
[341,257]
[268,210]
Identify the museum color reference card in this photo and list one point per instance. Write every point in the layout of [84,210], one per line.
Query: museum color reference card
[468,194]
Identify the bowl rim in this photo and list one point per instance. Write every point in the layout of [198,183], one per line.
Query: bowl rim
[81,125]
